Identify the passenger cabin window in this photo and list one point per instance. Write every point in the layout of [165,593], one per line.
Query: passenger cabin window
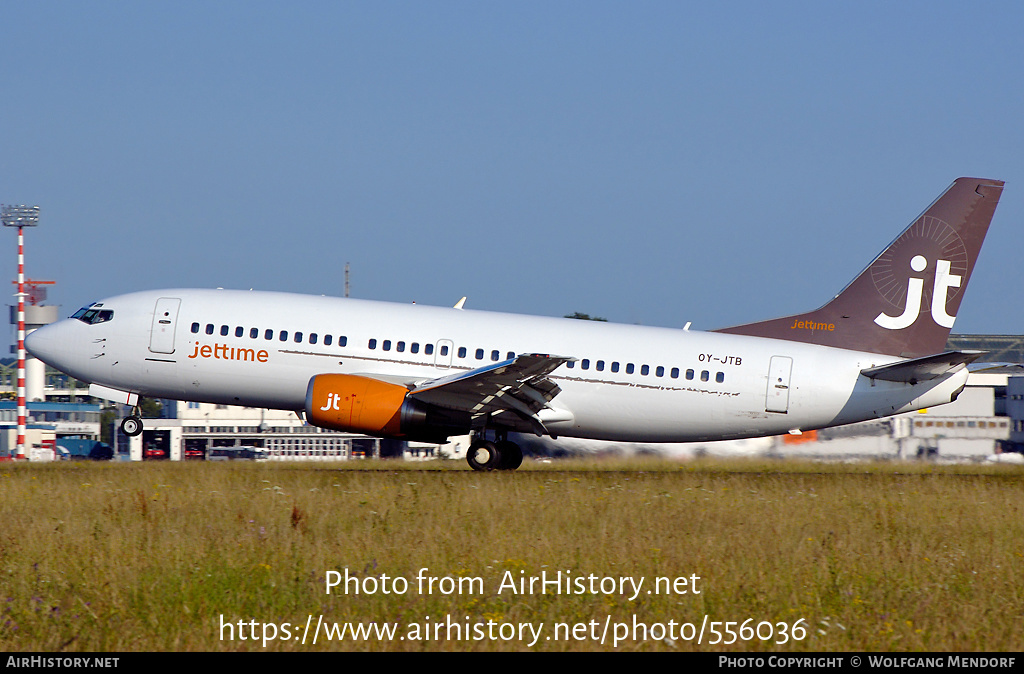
[195,328]
[615,366]
[224,330]
[327,340]
[462,352]
[283,336]
[387,344]
[414,347]
[254,333]
[495,355]
[209,328]
[645,370]
[342,341]
[268,335]
[428,349]
[298,337]
[239,331]
[479,354]
[400,347]
[629,368]
[312,338]
[705,375]
[373,344]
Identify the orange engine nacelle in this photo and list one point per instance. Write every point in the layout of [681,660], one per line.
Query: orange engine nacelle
[346,402]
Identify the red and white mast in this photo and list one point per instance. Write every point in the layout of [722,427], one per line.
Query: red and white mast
[21,217]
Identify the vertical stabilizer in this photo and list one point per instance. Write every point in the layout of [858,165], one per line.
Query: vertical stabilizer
[905,302]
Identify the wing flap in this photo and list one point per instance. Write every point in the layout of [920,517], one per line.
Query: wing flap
[519,386]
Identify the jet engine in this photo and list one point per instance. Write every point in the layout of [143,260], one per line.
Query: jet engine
[345,402]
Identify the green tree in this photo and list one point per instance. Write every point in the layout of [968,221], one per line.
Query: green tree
[150,409]
[107,418]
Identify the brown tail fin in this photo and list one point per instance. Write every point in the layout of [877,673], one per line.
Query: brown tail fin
[905,302]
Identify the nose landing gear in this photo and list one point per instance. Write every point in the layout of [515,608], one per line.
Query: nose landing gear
[132,425]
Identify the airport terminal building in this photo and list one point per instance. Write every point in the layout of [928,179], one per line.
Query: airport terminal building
[204,431]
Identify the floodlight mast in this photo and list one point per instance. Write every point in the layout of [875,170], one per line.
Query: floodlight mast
[20,217]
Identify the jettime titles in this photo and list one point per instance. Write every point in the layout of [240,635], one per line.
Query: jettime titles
[225,352]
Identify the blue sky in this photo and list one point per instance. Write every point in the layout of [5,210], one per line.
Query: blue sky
[649,162]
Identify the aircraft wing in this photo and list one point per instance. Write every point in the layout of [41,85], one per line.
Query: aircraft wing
[519,386]
[922,369]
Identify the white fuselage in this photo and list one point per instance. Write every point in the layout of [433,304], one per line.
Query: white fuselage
[629,383]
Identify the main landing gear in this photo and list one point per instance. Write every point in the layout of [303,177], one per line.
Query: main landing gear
[502,454]
[132,425]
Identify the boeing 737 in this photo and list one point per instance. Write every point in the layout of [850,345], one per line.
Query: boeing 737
[425,373]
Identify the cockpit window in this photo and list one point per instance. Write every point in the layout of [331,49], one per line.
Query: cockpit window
[93,314]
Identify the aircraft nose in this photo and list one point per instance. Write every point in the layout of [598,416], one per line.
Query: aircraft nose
[46,344]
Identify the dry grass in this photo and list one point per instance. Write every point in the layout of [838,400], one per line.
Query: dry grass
[120,557]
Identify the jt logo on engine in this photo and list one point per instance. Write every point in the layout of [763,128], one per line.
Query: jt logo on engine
[915,290]
[332,402]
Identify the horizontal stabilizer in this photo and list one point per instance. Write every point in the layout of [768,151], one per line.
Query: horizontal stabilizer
[922,369]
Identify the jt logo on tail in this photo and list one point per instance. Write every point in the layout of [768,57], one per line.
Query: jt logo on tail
[944,280]
[878,311]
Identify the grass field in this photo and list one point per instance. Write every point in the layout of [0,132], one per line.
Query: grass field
[195,556]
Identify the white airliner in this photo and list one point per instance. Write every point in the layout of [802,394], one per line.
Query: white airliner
[426,373]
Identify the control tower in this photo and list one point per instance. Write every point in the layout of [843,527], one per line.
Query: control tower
[37,315]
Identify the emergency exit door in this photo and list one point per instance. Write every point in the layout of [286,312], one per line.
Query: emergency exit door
[777,397]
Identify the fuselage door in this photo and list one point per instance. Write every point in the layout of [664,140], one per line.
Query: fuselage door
[443,353]
[777,398]
[165,317]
